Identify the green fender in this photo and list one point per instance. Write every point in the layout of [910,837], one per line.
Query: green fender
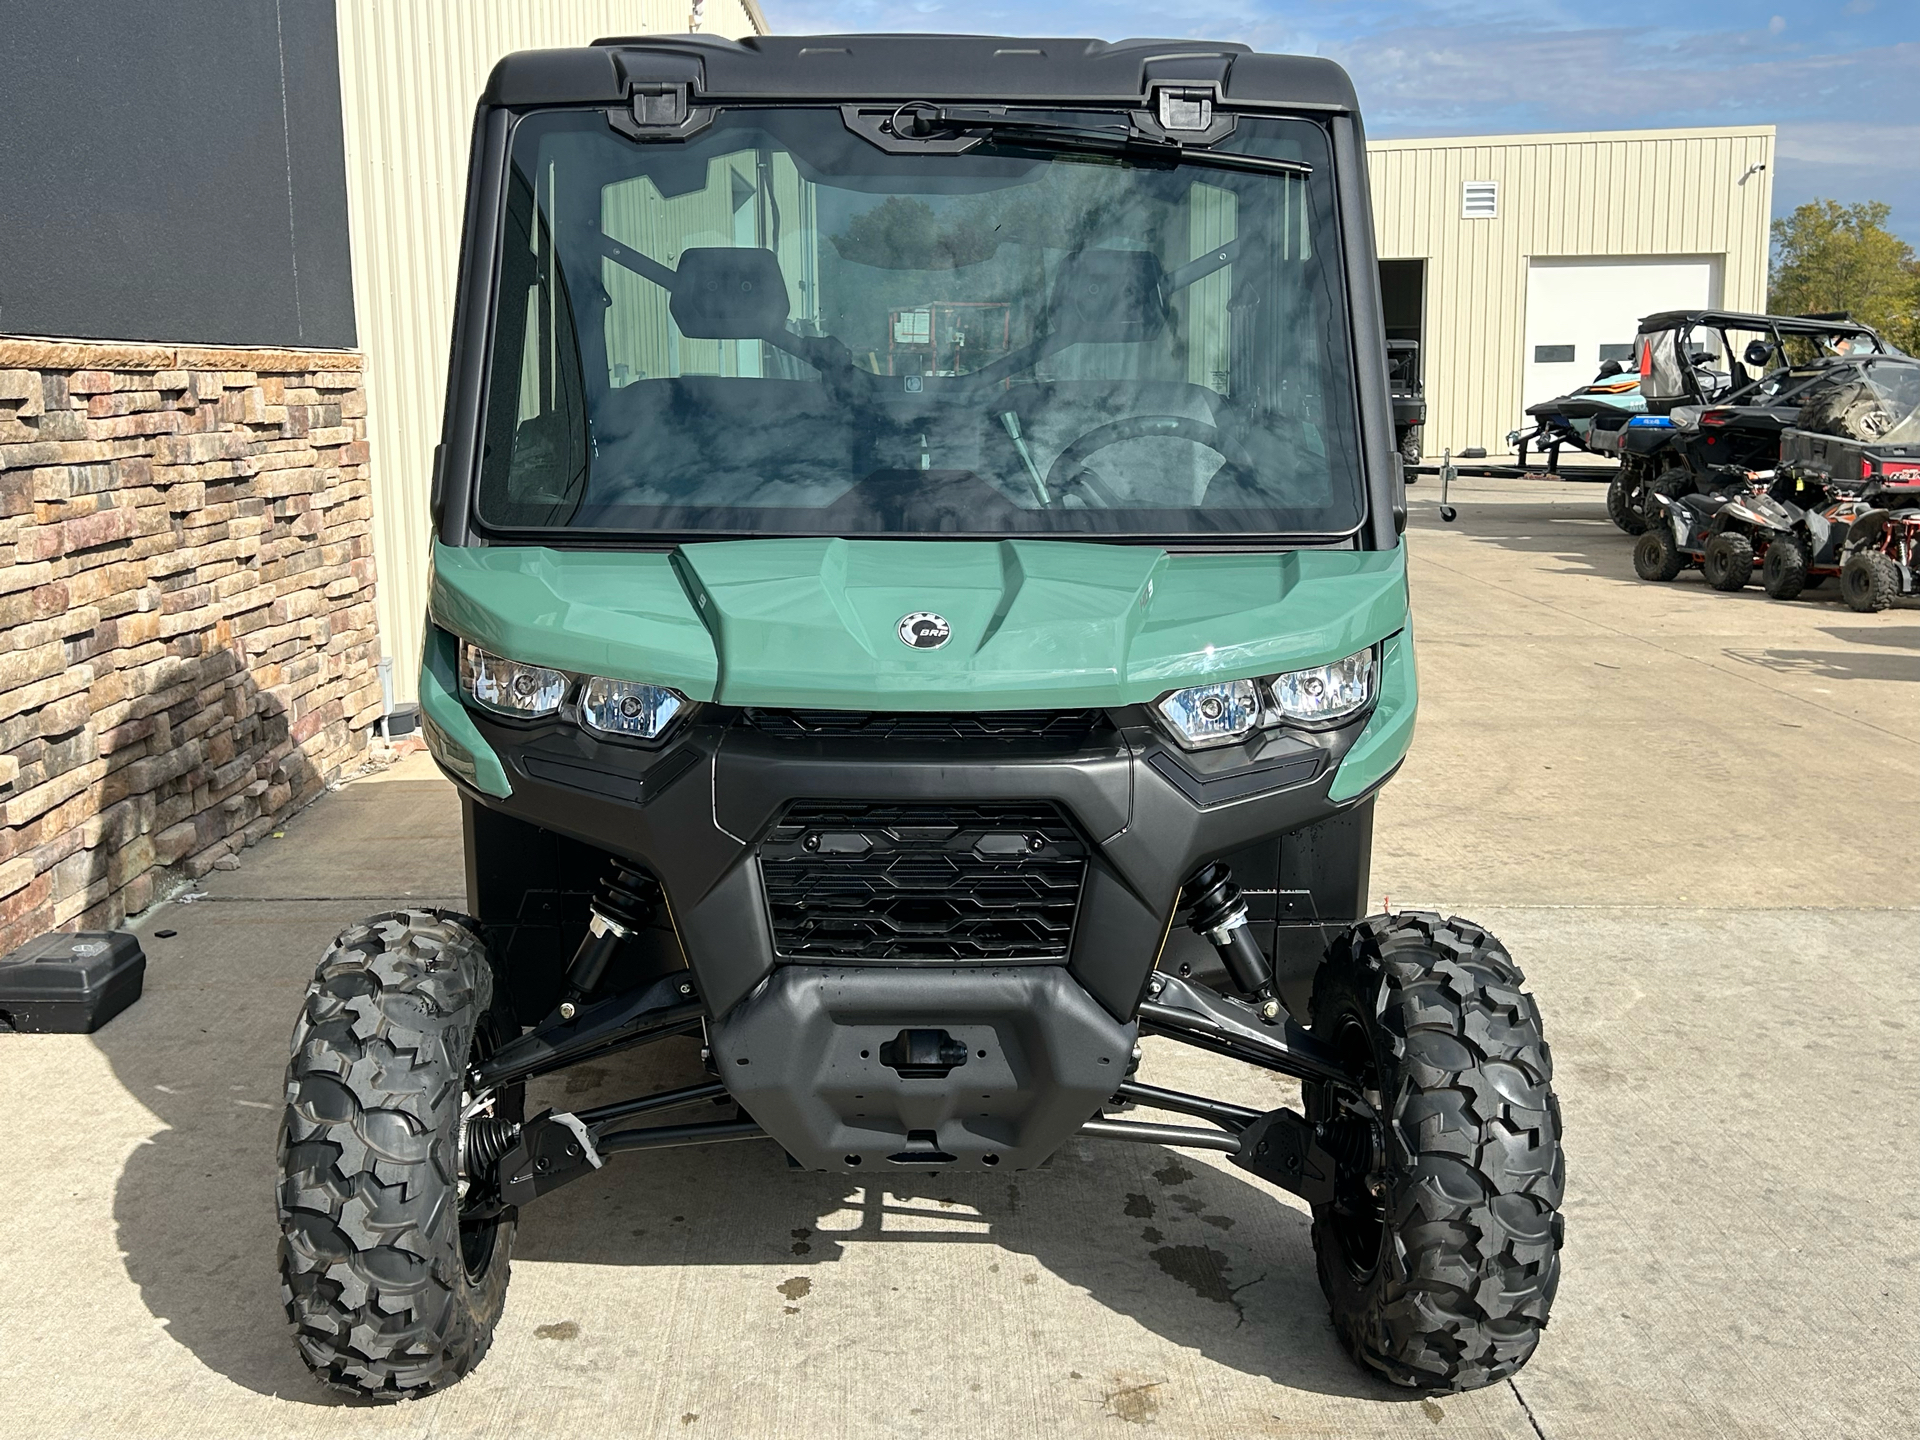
[452,737]
[1383,744]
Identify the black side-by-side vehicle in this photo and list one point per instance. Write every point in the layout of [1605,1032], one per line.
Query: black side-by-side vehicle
[1718,387]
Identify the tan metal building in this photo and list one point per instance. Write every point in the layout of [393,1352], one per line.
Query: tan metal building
[410,74]
[1522,262]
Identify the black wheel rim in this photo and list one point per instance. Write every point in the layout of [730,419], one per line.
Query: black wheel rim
[1357,1215]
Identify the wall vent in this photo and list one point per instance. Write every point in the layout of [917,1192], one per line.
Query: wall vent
[1480,200]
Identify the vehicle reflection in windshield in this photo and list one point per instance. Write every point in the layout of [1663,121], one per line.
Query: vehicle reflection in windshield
[776,328]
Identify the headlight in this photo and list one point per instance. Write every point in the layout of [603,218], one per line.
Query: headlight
[507,686]
[1325,693]
[1219,714]
[626,707]
[1212,714]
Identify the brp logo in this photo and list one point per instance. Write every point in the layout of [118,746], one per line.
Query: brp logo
[924,630]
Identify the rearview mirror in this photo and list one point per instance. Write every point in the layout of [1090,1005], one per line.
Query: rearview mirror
[725,293]
[1757,353]
[1110,295]
[1612,368]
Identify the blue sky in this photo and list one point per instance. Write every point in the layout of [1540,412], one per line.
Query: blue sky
[1838,78]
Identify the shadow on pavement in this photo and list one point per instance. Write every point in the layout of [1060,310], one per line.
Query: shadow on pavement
[1198,1256]
[1898,637]
[1832,664]
[1203,1258]
[206,1051]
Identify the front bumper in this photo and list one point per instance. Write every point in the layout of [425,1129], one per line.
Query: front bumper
[815,1057]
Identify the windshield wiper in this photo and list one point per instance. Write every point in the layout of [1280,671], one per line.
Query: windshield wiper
[925,128]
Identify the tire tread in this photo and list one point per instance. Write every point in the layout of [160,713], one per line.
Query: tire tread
[370,1259]
[1869,581]
[1473,1205]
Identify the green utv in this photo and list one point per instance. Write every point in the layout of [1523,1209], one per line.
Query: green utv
[918,603]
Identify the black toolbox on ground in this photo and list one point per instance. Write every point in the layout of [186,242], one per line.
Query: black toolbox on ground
[70,984]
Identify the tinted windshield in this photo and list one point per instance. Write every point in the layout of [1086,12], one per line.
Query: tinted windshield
[777,328]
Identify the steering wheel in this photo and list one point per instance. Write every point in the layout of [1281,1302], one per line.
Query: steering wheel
[1070,466]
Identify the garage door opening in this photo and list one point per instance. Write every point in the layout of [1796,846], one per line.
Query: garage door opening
[1403,298]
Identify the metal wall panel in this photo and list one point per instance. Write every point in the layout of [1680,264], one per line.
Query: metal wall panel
[1614,194]
[410,73]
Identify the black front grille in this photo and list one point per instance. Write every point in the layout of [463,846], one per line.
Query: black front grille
[937,882]
[1064,726]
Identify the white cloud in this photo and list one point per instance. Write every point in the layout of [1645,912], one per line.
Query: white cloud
[1849,142]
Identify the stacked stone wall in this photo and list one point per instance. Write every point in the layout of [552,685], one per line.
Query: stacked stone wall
[187,639]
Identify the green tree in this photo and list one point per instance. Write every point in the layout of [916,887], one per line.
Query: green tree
[1829,256]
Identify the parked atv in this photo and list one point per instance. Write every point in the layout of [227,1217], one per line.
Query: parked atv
[1859,448]
[1763,518]
[919,733]
[1808,553]
[1882,551]
[1695,530]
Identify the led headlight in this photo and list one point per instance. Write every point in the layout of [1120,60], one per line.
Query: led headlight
[1325,693]
[1206,715]
[507,686]
[1229,710]
[626,707]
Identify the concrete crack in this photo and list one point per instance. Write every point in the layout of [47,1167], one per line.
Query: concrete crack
[1526,1409]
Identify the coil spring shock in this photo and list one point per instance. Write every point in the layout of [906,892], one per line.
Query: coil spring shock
[1217,911]
[627,896]
[625,902]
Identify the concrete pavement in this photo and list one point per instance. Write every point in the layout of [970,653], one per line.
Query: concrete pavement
[1689,815]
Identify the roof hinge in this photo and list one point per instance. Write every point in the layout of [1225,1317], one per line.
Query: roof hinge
[1185,113]
[661,110]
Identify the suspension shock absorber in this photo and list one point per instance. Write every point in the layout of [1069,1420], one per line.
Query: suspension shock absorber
[1217,912]
[624,904]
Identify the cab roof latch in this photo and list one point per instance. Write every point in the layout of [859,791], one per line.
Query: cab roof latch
[1184,113]
[662,108]
[1184,109]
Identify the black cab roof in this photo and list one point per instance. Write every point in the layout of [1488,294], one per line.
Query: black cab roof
[915,67]
[1836,324]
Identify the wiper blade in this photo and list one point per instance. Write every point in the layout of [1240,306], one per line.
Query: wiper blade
[924,128]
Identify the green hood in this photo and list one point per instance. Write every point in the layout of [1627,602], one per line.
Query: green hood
[1036,624]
